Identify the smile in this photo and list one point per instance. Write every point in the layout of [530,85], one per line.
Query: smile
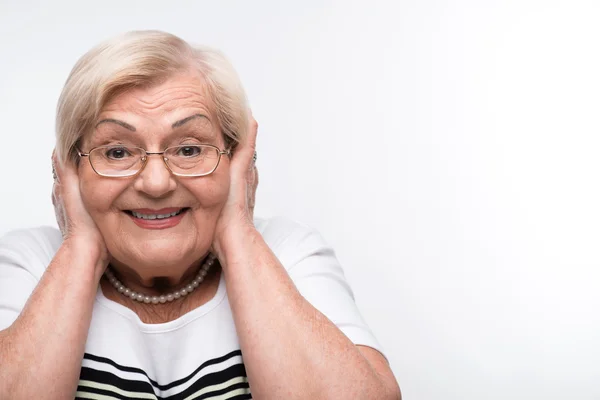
[155,216]
[157,219]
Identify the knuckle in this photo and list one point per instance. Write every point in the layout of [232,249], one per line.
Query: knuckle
[253,124]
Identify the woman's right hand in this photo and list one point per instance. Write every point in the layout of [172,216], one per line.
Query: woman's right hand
[75,223]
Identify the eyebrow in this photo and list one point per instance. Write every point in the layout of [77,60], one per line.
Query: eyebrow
[185,120]
[116,121]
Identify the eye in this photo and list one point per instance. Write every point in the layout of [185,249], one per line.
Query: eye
[189,151]
[117,153]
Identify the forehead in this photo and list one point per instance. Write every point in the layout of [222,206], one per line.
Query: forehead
[164,103]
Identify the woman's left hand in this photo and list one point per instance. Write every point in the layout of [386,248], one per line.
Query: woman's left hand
[238,212]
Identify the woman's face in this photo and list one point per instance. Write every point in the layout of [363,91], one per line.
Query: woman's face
[176,112]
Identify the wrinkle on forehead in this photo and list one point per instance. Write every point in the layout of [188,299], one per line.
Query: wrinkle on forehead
[166,103]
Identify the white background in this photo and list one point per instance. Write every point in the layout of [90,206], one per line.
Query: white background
[447,149]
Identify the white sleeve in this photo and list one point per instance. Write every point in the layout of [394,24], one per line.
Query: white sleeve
[24,256]
[318,276]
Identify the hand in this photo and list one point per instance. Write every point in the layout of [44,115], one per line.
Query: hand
[75,223]
[238,211]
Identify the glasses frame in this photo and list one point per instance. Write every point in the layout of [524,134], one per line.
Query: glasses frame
[158,153]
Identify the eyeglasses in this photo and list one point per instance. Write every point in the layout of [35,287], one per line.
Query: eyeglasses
[186,160]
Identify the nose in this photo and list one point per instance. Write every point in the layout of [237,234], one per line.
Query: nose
[155,179]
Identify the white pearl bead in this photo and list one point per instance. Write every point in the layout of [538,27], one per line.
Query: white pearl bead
[208,262]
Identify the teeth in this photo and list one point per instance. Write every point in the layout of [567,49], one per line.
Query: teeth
[155,216]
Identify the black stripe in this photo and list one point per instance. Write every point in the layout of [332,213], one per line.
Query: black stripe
[114,395]
[242,397]
[214,361]
[114,364]
[90,374]
[215,378]
[111,394]
[211,394]
[153,382]
[224,391]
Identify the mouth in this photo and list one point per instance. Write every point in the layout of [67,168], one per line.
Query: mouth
[158,214]
[157,219]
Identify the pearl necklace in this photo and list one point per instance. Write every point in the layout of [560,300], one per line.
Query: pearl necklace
[125,291]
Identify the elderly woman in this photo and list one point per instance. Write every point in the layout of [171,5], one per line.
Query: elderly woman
[160,283]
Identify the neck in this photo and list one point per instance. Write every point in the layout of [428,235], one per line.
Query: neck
[153,282]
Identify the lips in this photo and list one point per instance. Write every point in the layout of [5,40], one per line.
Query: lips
[157,219]
[156,215]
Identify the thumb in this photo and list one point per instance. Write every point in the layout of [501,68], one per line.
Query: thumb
[242,159]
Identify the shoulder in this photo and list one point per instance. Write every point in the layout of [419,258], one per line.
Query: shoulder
[291,241]
[32,248]
[280,231]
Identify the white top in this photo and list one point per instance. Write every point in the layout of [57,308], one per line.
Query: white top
[196,356]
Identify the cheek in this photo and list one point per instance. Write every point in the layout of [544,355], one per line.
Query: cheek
[97,195]
[213,194]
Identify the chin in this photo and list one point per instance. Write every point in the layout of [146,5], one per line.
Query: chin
[158,254]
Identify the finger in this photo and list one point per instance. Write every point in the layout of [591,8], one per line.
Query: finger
[67,178]
[252,177]
[54,195]
[55,184]
[63,168]
[55,167]
[251,188]
[245,150]
[65,190]
[58,208]
[255,178]
[252,130]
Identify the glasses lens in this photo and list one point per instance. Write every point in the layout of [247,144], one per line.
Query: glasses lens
[192,159]
[116,160]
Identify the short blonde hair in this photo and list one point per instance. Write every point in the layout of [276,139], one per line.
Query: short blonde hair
[138,59]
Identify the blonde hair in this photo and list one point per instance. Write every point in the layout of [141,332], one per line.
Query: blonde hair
[141,59]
